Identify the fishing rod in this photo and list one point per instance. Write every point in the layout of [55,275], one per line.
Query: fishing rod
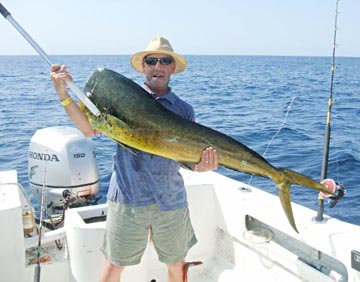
[37,271]
[82,97]
[330,102]
[339,188]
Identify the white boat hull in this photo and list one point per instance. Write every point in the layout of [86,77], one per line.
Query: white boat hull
[242,234]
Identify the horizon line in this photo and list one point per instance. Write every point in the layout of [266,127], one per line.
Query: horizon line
[224,55]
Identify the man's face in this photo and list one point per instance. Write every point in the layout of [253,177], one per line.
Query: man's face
[158,76]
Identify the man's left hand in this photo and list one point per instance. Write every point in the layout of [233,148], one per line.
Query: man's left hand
[209,160]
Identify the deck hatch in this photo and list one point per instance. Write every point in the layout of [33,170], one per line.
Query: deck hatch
[355,260]
[306,254]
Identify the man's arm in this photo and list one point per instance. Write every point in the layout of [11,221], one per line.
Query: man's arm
[58,76]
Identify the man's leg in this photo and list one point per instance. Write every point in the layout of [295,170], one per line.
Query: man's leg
[176,271]
[125,240]
[173,236]
[111,272]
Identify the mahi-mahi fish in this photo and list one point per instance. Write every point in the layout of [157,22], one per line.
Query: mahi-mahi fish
[134,119]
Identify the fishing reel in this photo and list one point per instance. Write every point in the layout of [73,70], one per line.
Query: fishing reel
[338,190]
[71,200]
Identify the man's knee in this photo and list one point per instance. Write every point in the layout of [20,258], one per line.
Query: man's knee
[113,267]
[111,272]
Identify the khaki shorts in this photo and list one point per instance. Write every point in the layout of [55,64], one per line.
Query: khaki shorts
[127,232]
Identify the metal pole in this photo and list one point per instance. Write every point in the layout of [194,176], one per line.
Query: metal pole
[82,97]
[325,161]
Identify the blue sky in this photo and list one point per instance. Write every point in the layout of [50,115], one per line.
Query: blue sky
[228,27]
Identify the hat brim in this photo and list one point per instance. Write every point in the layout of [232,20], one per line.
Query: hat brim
[137,59]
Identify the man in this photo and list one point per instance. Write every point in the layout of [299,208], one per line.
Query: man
[146,192]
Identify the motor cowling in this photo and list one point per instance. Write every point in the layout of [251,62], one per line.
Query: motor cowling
[62,158]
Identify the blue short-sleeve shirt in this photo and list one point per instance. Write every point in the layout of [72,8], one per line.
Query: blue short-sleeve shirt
[141,179]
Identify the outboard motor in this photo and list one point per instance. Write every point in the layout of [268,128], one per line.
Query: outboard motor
[61,160]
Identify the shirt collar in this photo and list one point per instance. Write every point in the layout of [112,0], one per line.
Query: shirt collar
[169,96]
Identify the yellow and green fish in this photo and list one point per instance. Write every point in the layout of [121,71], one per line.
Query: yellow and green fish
[136,120]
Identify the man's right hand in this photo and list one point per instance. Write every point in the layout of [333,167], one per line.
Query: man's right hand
[59,76]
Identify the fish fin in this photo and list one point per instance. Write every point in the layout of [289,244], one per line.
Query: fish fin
[187,165]
[287,178]
[112,120]
[127,148]
[283,189]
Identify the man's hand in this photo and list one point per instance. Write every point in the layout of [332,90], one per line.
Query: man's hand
[209,160]
[59,76]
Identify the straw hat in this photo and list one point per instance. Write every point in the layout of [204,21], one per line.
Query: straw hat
[158,45]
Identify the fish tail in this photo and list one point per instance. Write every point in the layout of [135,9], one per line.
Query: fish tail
[285,179]
[283,188]
[302,180]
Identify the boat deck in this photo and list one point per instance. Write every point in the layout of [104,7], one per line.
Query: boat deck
[242,234]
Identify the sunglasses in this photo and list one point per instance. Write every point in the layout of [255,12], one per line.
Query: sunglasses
[152,61]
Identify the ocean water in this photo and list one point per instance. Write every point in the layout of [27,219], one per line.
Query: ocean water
[276,105]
